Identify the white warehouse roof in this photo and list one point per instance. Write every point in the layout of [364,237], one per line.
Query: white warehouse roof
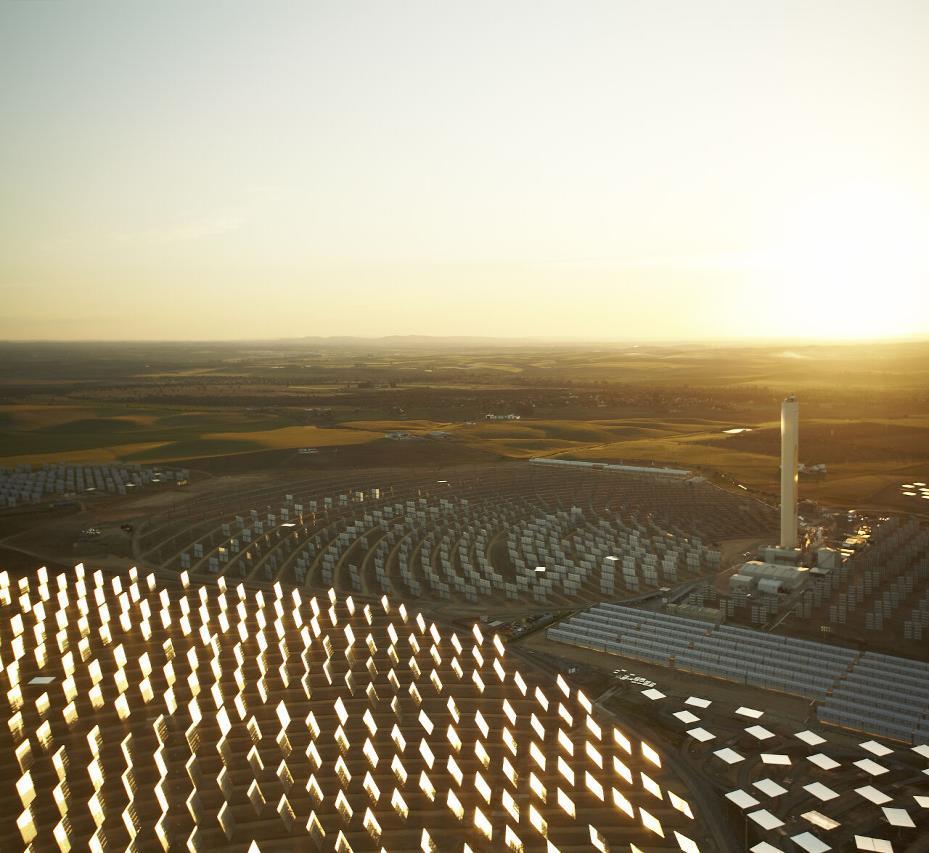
[756,568]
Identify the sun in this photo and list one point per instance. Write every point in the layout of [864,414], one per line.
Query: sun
[855,264]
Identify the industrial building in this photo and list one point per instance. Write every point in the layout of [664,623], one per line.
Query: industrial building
[768,577]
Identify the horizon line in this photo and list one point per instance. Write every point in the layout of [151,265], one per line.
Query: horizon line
[515,340]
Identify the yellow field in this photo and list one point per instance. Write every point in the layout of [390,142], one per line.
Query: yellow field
[298,436]
[397,426]
[36,433]
[607,440]
[877,460]
[752,468]
[488,365]
[26,417]
[869,482]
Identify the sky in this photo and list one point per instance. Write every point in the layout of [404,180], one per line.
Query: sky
[606,170]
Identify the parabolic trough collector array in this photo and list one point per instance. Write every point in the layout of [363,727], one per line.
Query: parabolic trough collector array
[874,693]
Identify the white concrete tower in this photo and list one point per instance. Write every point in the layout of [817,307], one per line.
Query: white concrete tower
[790,430]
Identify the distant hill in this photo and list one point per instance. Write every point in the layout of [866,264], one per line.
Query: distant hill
[390,341]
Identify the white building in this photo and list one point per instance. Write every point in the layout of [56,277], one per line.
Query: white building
[789,576]
[819,468]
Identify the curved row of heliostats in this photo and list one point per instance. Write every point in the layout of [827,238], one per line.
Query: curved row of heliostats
[610,534]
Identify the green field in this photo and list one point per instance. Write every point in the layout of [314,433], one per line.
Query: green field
[85,433]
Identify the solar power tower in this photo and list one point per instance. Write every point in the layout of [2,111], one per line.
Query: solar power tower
[790,428]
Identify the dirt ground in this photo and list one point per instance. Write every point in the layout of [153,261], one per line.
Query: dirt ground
[781,704]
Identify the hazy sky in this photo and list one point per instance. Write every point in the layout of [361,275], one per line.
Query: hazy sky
[580,169]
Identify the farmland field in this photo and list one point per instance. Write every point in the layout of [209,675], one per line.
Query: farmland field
[865,409]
